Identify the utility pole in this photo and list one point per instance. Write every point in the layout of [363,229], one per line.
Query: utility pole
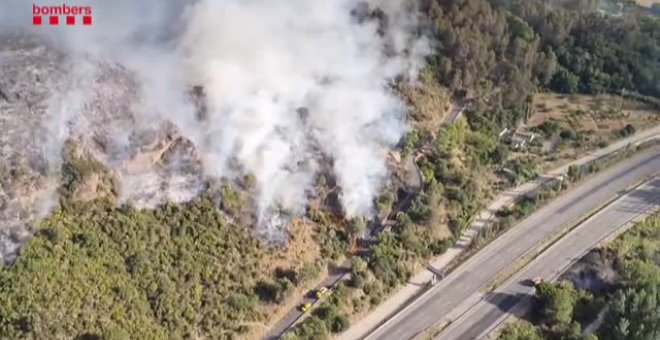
[623,93]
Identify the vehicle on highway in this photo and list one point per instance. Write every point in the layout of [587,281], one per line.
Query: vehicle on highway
[305,307]
[322,292]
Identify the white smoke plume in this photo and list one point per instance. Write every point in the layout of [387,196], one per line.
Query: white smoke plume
[284,81]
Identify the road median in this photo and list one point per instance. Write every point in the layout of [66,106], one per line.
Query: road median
[522,307]
[510,274]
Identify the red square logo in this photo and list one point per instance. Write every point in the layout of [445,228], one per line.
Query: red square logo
[36,20]
[54,20]
[70,20]
[87,20]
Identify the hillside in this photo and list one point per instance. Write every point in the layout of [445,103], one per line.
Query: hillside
[156,185]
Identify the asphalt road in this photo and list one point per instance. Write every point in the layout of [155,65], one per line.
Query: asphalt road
[456,110]
[293,315]
[451,297]
[496,307]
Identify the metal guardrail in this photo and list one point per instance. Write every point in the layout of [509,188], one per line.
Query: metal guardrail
[492,331]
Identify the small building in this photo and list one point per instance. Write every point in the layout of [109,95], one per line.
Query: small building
[520,139]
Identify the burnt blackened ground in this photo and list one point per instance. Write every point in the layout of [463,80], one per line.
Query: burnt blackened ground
[594,273]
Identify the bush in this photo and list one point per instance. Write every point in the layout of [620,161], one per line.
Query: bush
[357,280]
[386,261]
[374,290]
[574,173]
[115,334]
[239,302]
[524,170]
[410,142]
[548,127]
[384,204]
[230,200]
[309,271]
[340,324]
[520,330]
[568,134]
[441,246]
[273,291]
[312,328]
[75,168]
[412,238]
[358,272]
[334,320]
[524,206]
[357,226]
[628,130]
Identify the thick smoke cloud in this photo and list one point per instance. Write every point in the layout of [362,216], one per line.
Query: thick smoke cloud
[285,81]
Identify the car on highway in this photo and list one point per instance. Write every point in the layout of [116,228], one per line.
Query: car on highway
[322,292]
[305,307]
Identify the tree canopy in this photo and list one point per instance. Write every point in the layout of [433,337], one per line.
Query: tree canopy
[171,273]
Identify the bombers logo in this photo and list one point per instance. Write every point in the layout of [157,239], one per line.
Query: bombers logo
[53,13]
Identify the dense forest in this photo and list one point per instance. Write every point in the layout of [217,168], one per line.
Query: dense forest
[97,271]
[515,47]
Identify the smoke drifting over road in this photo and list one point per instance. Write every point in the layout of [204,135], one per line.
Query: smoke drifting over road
[284,80]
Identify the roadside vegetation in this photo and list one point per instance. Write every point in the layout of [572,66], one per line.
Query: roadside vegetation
[526,205]
[628,310]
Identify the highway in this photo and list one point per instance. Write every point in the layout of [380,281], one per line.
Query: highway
[512,298]
[454,295]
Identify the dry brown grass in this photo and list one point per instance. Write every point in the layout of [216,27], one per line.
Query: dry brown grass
[438,224]
[599,114]
[301,249]
[428,102]
[648,3]
[599,117]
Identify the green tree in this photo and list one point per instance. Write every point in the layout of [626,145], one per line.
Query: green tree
[358,272]
[557,301]
[357,226]
[574,172]
[634,314]
[566,82]
[520,330]
[386,261]
[384,204]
